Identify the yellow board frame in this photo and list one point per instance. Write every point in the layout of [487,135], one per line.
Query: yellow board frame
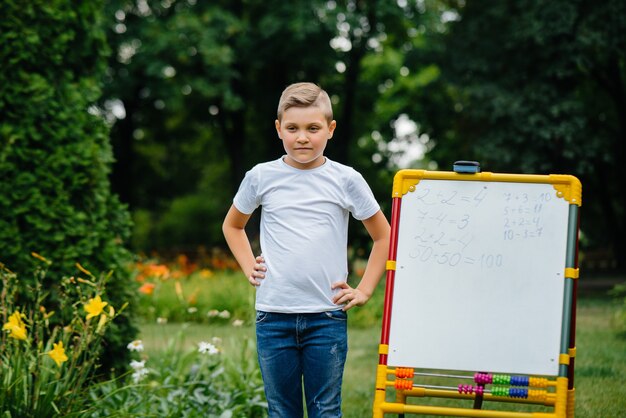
[562,398]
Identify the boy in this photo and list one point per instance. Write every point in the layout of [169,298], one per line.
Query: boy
[302,295]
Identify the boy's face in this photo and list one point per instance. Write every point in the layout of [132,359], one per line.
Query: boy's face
[304,132]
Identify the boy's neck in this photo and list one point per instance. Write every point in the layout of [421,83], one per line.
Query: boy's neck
[318,162]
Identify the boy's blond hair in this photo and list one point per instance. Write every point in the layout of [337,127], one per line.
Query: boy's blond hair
[305,95]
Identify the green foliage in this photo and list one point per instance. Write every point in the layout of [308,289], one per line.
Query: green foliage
[542,90]
[200,82]
[619,320]
[46,368]
[223,298]
[183,382]
[201,297]
[55,155]
[40,378]
[521,86]
[187,221]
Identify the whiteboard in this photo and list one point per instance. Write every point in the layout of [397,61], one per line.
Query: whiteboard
[479,280]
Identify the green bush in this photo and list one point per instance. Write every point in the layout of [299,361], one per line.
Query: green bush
[55,156]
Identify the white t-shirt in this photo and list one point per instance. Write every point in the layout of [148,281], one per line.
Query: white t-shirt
[304,230]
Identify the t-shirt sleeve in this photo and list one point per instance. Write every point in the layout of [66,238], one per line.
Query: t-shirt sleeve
[361,201]
[246,199]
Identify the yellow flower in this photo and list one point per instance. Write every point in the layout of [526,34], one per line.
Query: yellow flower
[94,307]
[16,326]
[58,353]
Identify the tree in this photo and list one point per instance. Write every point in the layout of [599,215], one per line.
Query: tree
[55,196]
[539,87]
[200,82]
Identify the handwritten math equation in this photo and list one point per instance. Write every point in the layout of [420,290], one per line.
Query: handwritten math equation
[445,231]
[467,228]
[522,215]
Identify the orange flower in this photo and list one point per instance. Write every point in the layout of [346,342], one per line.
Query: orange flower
[147,288]
[157,270]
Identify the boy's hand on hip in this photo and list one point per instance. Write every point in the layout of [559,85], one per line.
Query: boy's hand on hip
[258,272]
[348,296]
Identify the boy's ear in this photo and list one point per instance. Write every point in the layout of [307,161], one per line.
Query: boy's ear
[331,127]
[277,125]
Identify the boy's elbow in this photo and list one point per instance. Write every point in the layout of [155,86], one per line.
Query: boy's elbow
[227,229]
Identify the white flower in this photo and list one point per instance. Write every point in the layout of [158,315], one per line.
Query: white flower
[207,348]
[161,320]
[224,314]
[217,341]
[136,345]
[138,365]
[192,310]
[237,322]
[213,313]
[139,374]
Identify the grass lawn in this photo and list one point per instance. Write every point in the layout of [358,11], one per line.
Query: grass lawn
[600,361]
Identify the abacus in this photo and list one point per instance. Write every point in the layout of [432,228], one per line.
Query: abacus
[463,237]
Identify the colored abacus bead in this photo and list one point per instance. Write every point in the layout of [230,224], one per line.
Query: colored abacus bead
[519,380]
[538,382]
[499,391]
[403,384]
[483,378]
[537,395]
[469,389]
[404,372]
[501,379]
[518,393]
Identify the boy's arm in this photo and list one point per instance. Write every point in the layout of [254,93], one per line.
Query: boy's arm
[379,230]
[239,244]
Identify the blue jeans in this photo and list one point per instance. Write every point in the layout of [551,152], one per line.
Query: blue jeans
[297,348]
